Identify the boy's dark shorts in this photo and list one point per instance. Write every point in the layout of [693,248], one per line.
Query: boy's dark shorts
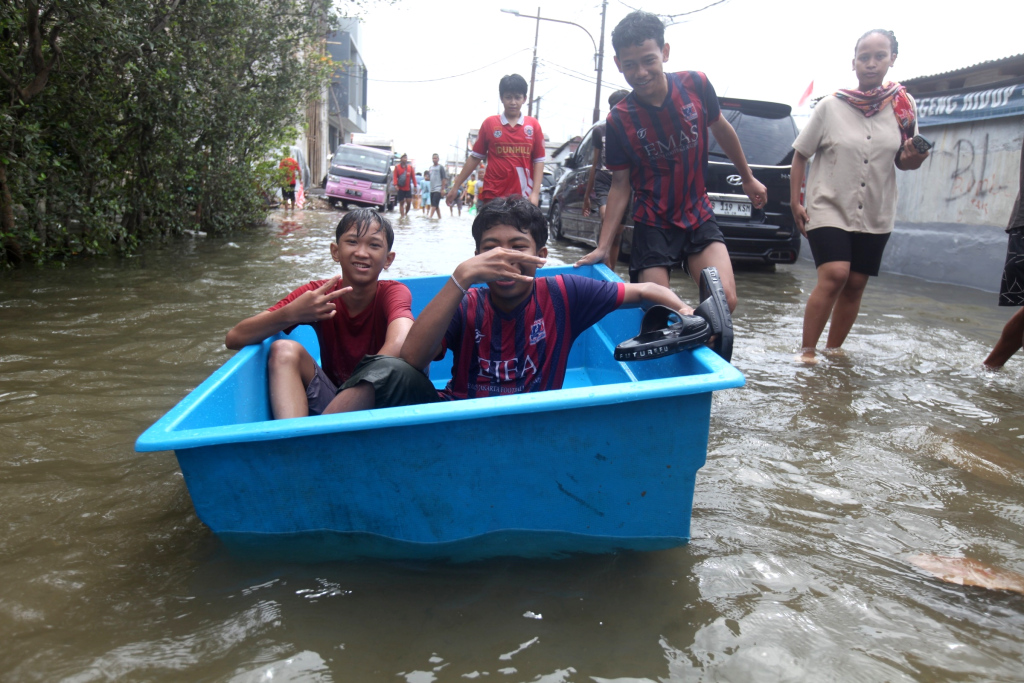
[395,382]
[863,250]
[320,392]
[1011,291]
[602,183]
[669,247]
[435,199]
[288,193]
[404,194]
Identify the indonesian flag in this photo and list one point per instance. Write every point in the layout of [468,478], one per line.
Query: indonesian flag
[807,95]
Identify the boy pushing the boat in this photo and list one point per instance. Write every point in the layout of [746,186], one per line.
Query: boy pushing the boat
[355,315]
[657,149]
[510,337]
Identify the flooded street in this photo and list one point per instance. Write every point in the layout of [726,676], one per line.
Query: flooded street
[822,482]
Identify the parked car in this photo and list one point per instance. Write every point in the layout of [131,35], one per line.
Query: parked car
[766,131]
[547,188]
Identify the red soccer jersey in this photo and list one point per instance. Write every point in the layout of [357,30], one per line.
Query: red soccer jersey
[666,151]
[345,339]
[293,168]
[510,151]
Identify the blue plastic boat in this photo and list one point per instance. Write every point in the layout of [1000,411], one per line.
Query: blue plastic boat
[604,464]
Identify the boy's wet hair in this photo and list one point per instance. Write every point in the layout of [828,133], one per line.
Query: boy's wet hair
[617,97]
[512,84]
[637,27]
[894,47]
[516,211]
[365,220]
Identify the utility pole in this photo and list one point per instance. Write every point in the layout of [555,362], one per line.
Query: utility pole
[600,65]
[533,70]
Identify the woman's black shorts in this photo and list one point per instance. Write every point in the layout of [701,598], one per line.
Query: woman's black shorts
[862,250]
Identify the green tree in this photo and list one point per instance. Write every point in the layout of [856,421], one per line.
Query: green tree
[126,120]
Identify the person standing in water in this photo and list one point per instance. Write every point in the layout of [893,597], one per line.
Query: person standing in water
[1011,291]
[858,139]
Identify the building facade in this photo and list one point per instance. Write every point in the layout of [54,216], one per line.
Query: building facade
[952,212]
[341,108]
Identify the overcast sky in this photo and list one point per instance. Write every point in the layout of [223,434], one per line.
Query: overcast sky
[759,49]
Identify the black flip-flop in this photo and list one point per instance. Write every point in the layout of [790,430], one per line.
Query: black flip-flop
[715,309]
[658,337]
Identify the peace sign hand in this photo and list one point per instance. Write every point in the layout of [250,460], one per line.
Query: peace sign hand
[317,304]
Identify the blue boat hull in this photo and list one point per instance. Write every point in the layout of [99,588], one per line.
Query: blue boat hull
[607,463]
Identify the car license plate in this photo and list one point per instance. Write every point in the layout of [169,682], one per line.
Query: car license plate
[730,208]
[357,193]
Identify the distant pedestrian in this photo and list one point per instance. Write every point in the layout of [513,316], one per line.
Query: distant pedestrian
[459,198]
[512,144]
[1011,290]
[858,139]
[292,171]
[423,198]
[404,177]
[599,178]
[438,176]
[470,190]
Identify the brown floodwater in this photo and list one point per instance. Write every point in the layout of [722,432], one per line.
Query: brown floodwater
[821,483]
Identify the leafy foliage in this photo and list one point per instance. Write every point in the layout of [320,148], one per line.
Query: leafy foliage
[126,120]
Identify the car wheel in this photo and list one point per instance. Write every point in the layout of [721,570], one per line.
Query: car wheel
[344,205]
[555,222]
[333,202]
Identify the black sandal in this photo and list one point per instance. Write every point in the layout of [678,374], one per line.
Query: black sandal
[658,337]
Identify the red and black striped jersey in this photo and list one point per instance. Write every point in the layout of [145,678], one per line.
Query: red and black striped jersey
[666,151]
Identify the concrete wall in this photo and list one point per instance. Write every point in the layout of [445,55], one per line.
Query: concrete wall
[952,212]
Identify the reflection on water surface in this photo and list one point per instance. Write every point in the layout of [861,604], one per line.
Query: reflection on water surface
[822,483]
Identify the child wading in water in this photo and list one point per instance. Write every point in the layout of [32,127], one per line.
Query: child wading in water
[656,147]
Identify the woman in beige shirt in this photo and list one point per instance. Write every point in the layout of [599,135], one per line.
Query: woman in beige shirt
[857,138]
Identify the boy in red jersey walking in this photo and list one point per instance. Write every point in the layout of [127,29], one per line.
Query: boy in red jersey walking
[657,146]
[513,146]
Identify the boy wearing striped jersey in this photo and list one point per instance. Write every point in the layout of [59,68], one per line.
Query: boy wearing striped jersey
[657,148]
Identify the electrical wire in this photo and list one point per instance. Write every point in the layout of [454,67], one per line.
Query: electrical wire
[445,78]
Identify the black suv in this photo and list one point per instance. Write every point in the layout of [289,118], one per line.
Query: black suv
[766,131]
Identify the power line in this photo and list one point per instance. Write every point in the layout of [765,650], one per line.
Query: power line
[571,73]
[445,78]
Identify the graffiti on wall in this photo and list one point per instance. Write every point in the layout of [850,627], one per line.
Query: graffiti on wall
[971,179]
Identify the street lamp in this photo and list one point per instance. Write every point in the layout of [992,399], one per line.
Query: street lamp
[598,52]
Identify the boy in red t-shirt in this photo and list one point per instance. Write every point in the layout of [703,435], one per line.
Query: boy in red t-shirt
[513,146]
[355,315]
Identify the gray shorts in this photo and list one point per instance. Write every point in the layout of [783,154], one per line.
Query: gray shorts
[320,392]
[602,183]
